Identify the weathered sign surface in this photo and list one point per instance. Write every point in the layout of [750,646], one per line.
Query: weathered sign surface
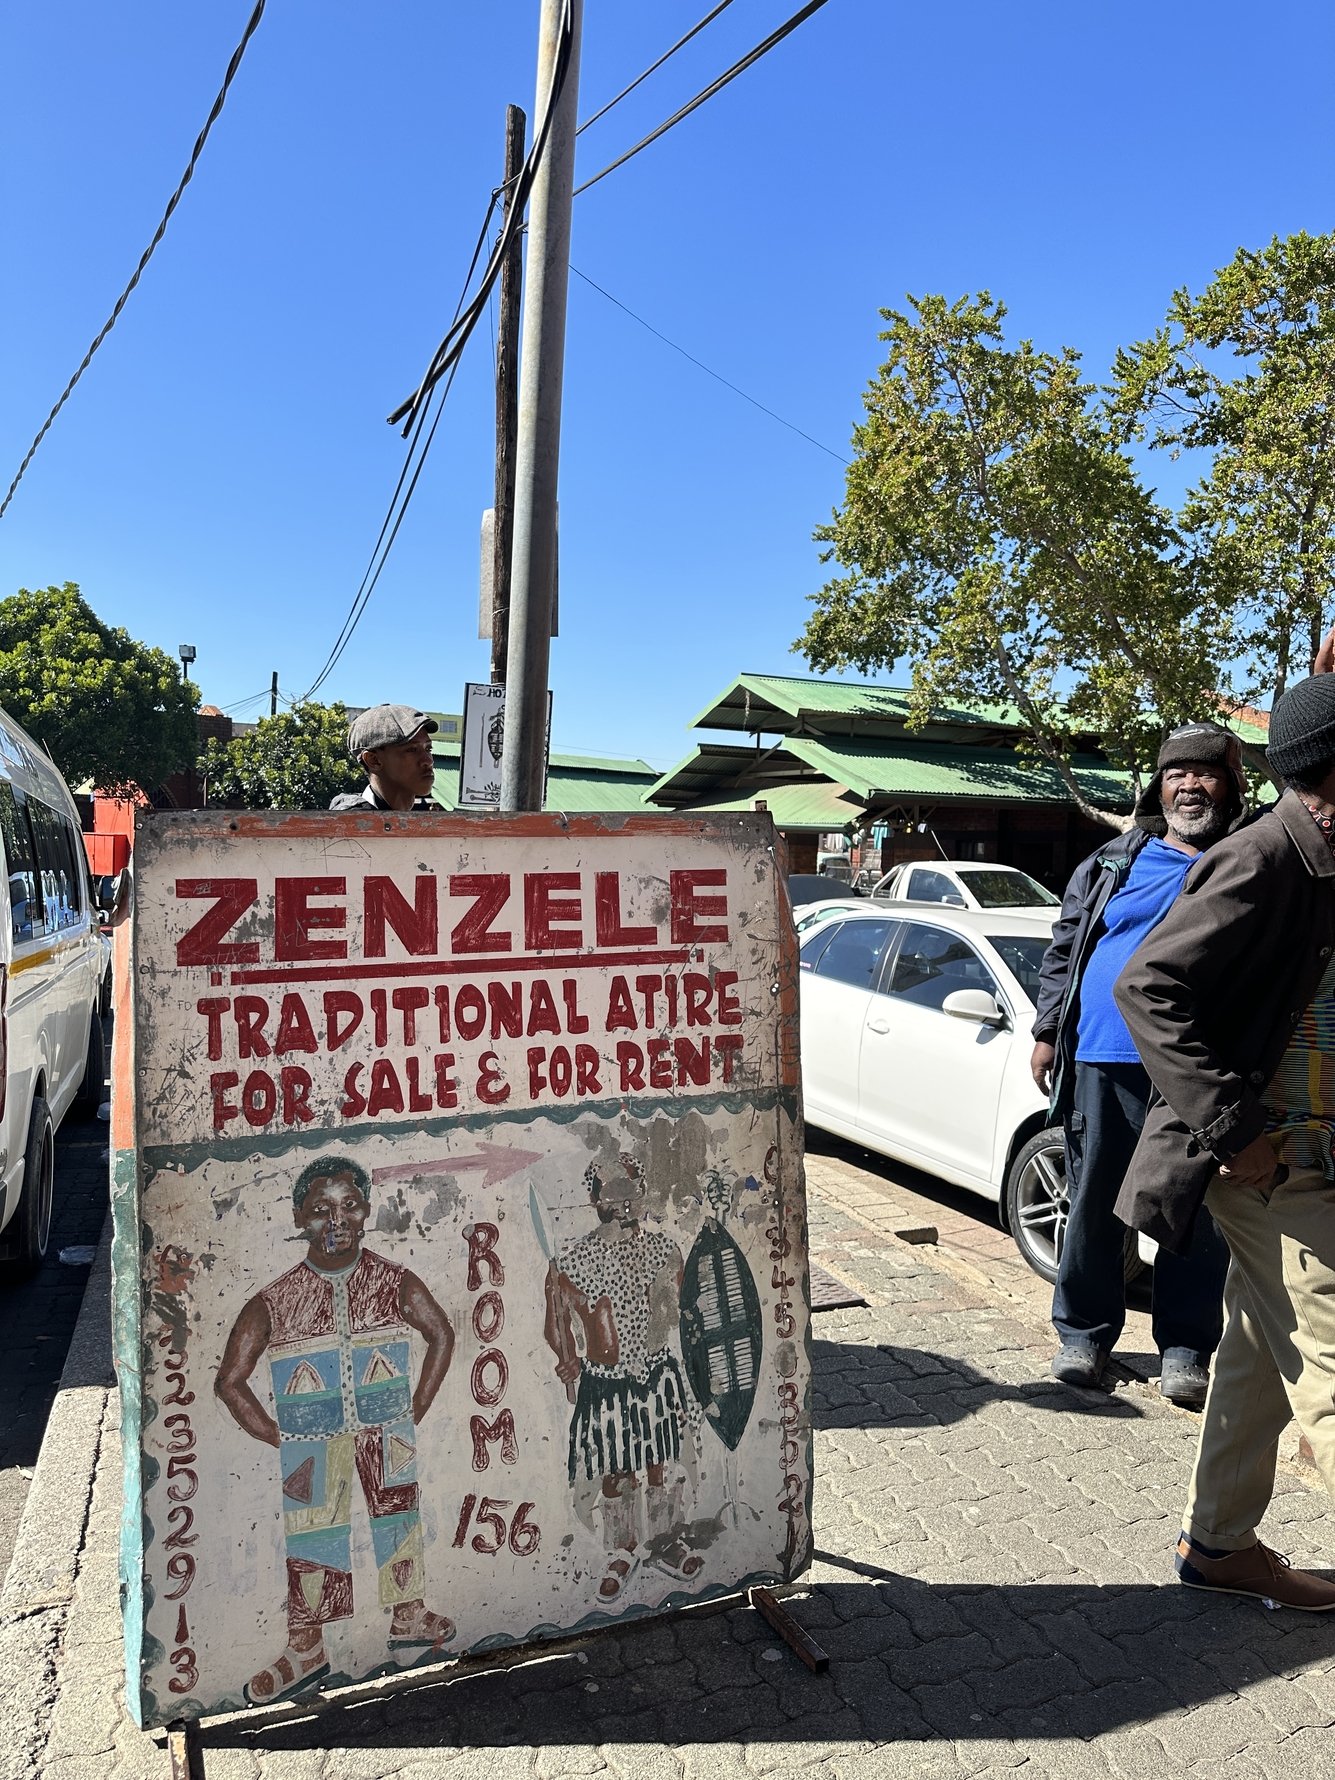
[460,1258]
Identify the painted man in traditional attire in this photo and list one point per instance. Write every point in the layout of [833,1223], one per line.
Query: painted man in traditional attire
[336,1329]
[630,1421]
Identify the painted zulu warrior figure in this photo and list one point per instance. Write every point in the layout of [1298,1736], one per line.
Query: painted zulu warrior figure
[630,1418]
[336,1329]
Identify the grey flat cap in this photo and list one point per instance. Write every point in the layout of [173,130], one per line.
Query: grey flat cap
[383,726]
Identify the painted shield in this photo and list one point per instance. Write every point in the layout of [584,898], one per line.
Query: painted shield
[721,1332]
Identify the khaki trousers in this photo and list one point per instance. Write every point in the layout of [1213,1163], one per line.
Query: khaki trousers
[1277,1356]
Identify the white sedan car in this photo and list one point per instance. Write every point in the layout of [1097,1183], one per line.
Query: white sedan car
[964,886]
[915,1042]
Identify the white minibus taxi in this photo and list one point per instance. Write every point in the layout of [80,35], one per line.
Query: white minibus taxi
[50,968]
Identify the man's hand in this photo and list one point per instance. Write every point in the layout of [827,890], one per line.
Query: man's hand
[1253,1167]
[569,1370]
[1323,662]
[1040,1066]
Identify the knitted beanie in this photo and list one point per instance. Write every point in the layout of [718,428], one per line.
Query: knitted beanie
[1302,726]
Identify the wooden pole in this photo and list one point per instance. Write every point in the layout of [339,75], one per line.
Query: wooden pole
[507,404]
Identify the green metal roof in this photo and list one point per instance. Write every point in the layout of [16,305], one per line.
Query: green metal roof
[575,782]
[815,804]
[923,771]
[782,701]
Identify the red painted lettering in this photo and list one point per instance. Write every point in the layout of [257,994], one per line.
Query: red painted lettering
[414,924]
[295,1086]
[482,1240]
[385,1093]
[630,1061]
[620,1007]
[502,1429]
[223,1109]
[251,1013]
[610,929]
[729,1008]
[408,1002]
[488,1392]
[488,1317]
[203,943]
[689,909]
[295,1032]
[295,918]
[213,1007]
[259,1097]
[544,909]
[343,1012]
[490,892]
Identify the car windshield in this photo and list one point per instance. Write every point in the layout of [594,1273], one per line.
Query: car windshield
[1008,889]
[1023,957]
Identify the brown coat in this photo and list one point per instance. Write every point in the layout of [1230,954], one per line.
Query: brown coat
[1212,996]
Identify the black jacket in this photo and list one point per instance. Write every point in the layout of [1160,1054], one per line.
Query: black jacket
[1073,939]
[1212,997]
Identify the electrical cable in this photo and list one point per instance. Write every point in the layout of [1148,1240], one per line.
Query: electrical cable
[372,573]
[775,37]
[716,375]
[452,346]
[653,67]
[146,256]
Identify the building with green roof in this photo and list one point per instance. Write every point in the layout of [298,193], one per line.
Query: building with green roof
[831,758]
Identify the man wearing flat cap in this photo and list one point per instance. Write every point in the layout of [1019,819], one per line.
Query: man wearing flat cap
[1231,1002]
[392,744]
[1084,1058]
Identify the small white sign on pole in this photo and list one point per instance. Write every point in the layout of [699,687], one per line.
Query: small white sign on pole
[484,744]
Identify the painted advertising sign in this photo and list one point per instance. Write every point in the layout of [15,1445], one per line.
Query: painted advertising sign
[461,1286]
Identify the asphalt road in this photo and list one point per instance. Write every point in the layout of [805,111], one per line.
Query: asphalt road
[37,1317]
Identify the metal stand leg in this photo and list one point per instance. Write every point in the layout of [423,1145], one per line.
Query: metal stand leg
[798,1641]
[183,1747]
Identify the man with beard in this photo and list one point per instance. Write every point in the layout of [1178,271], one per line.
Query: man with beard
[1084,1058]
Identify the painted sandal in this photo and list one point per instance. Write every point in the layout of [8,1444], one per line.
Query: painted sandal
[429,1631]
[617,1576]
[287,1681]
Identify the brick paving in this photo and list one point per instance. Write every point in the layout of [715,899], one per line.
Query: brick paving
[992,1585]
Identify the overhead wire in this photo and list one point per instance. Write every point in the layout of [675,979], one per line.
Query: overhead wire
[653,67]
[708,369]
[252,26]
[445,360]
[715,86]
[390,525]
[457,336]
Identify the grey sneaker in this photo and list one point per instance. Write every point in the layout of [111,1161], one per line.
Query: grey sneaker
[1182,1379]
[1075,1362]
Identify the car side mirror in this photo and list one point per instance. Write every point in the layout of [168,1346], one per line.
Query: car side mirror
[104,895]
[974,1004]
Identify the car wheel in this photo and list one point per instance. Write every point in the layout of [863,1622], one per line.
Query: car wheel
[32,1226]
[1038,1207]
[92,1089]
[1038,1203]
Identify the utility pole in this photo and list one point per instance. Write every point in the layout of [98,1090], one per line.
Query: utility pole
[273,694]
[507,403]
[523,764]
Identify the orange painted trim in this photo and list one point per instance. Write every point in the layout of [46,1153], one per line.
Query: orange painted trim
[331,824]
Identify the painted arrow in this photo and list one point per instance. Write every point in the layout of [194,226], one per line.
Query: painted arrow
[496,1162]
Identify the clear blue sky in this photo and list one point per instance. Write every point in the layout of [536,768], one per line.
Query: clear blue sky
[220,475]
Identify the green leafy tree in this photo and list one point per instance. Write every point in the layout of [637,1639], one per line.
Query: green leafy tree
[1246,372]
[297,760]
[107,708]
[995,534]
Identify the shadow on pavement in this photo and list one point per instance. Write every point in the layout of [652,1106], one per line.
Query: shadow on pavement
[862,1386]
[909,1661]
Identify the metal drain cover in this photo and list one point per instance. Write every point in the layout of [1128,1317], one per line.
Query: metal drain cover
[829,1293]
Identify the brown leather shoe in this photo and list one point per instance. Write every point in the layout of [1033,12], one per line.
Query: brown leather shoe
[1255,1570]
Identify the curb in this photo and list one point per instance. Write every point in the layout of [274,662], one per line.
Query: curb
[38,1589]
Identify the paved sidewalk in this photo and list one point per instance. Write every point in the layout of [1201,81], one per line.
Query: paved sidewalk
[992,1588]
